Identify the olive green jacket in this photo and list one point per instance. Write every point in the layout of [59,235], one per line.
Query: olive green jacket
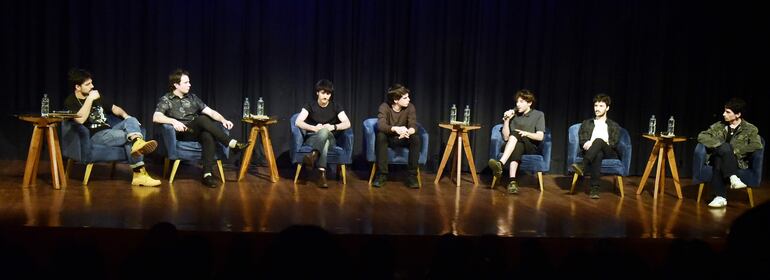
[744,142]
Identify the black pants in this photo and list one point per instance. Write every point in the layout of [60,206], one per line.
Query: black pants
[523,147]
[725,165]
[207,131]
[385,140]
[592,159]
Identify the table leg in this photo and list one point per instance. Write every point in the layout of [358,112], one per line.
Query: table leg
[447,152]
[662,170]
[469,155]
[674,171]
[33,154]
[648,169]
[459,160]
[267,145]
[657,171]
[55,179]
[60,161]
[246,159]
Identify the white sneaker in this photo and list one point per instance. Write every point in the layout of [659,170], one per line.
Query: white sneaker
[718,202]
[736,183]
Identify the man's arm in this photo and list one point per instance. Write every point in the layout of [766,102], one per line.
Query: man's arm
[217,117]
[710,137]
[300,121]
[382,119]
[160,118]
[119,112]
[344,121]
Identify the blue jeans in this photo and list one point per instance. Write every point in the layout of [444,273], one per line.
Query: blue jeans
[118,135]
[321,141]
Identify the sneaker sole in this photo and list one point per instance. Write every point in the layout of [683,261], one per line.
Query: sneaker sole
[147,148]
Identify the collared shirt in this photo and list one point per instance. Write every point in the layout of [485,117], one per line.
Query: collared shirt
[183,109]
[532,121]
[600,131]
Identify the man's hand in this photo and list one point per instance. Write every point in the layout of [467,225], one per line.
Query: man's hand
[587,145]
[328,127]
[522,133]
[93,95]
[227,124]
[508,115]
[178,126]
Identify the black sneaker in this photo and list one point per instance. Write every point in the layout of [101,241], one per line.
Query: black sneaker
[578,168]
[239,146]
[322,179]
[593,192]
[411,182]
[497,168]
[513,187]
[309,159]
[210,181]
[380,180]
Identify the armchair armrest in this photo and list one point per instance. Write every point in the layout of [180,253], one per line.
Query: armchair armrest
[75,141]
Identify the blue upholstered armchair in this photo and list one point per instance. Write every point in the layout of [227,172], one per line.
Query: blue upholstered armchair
[341,154]
[538,163]
[171,149]
[76,146]
[398,155]
[752,176]
[619,167]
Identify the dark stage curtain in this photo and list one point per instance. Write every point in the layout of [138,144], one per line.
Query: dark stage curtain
[668,58]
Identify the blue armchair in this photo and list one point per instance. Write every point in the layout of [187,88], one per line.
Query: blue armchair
[538,163]
[76,146]
[341,154]
[398,155]
[701,172]
[172,149]
[619,167]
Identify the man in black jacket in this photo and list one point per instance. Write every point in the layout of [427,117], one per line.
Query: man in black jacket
[598,137]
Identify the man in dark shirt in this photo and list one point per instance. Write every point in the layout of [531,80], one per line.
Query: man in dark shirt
[523,129]
[396,126]
[194,121]
[320,121]
[90,107]
[598,138]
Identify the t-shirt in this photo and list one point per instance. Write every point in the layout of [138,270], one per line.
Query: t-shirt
[600,131]
[323,115]
[532,121]
[387,118]
[183,109]
[97,118]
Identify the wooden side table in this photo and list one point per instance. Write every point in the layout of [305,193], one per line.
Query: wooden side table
[662,150]
[462,143]
[44,128]
[259,126]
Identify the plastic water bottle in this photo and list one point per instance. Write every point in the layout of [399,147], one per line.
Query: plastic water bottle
[467,114]
[653,122]
[44,106]
[246,108]
[453,114]
[671,126]
[260,107]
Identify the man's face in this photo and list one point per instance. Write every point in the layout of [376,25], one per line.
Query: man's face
[600,109]
[404,101]
[323,96]
[730,116]
[85,87]
[522,105]
[184,84]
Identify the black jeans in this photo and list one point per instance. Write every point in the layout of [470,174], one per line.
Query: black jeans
[725,165]
[205,130]
[592,159]
[386,140]
[523,147]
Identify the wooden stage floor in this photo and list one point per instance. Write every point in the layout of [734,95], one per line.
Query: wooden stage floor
[257,205]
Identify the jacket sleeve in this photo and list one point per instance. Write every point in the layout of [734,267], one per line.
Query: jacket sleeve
[711,137]
[614,134]
[584,134]
[753,143]
[382,118]
[412,117]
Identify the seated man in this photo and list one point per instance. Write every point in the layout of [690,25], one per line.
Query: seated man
[599,137]
[89,105]
[396,125]
[523,129]
[322,120]
[194,121]
[729,144]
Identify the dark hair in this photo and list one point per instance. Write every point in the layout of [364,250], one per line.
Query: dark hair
[325,85]
[526,95]
[603,98]
[395,92]
[736,105]
[176,77]
[77,77]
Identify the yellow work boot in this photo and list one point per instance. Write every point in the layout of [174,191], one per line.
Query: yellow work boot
[141,147]
[142,178]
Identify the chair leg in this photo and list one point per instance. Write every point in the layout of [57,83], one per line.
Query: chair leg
[344,179]
[700,191]
[112,170]
[540,180]
[221,171]
[419,180]
[165,167]
[371,176]
[751,197]
[88,174]
[69,167]
[296,173]
[173,171]
[574,180]
[620,185]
